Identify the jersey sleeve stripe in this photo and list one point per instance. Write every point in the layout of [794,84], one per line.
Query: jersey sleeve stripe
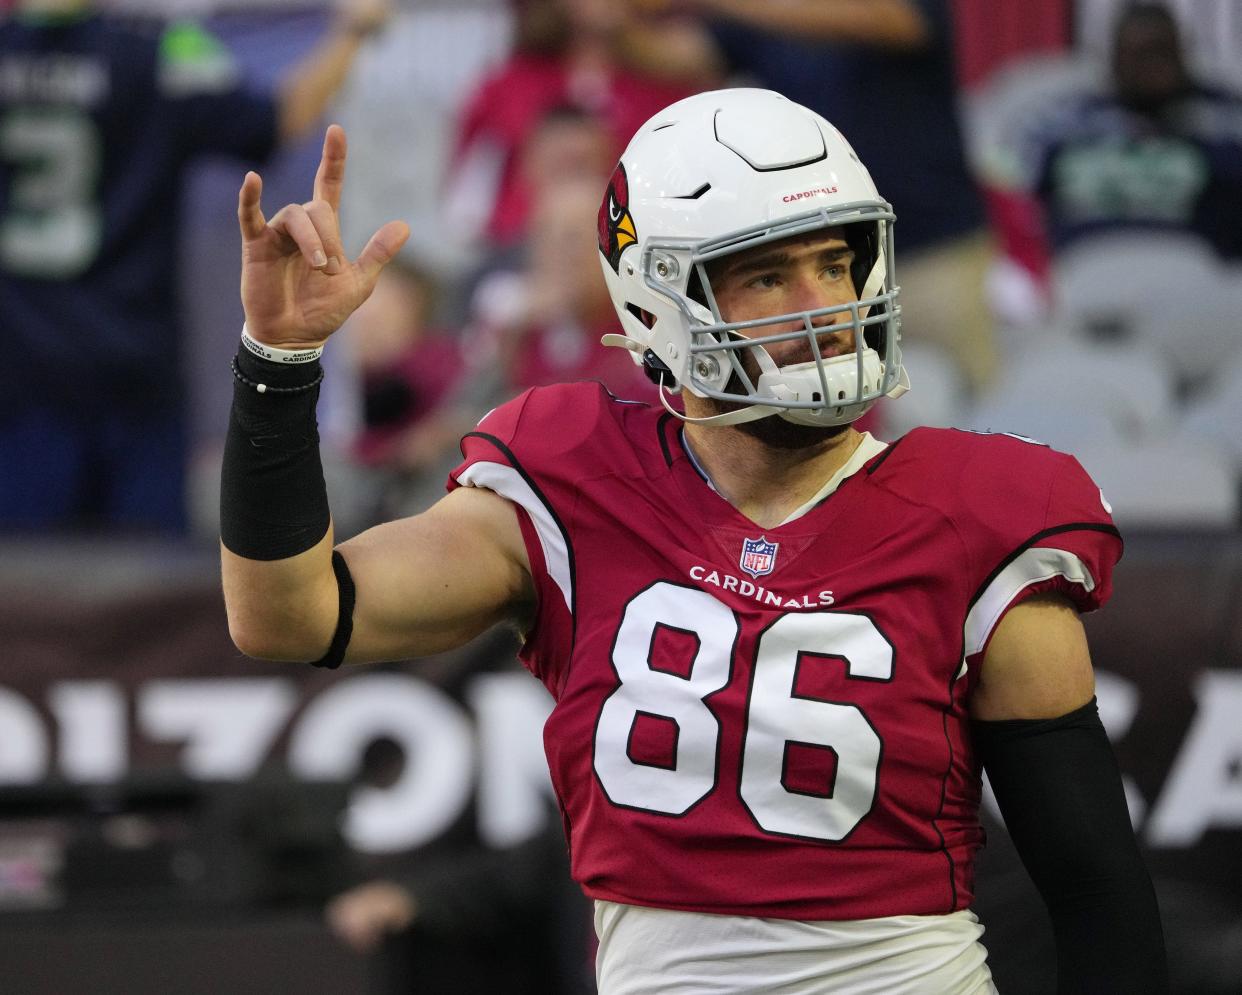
[509,483]
[1032,566]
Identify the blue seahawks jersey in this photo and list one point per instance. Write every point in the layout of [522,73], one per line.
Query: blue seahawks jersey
[99,118]
[1097,166]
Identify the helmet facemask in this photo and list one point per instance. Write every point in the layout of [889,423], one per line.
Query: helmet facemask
[822,391]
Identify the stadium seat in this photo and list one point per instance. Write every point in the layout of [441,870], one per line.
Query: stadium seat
[1165,289]
[1216,414]
[1168,484]
[938,391]
[1068,391]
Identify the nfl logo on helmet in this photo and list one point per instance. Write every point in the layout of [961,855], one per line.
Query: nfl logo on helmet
[758,556]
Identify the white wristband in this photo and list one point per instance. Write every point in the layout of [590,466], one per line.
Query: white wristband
[274,355]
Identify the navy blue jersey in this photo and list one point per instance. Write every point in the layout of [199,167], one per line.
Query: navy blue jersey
[99,119]
[1097,166]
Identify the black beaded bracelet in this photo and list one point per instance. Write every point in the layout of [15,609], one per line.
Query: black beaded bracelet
[263,388]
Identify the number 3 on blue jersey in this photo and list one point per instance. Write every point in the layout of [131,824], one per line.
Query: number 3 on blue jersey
[53,224]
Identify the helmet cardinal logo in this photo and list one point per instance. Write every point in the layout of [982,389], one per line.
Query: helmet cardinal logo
[616,226]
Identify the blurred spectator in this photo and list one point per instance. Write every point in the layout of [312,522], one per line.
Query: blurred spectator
[100,117]
[460,915]
[545,320]
[507,920]
[537,322]
[883,72]
[404,368]
[1217,30]
[566,144]
[568,52]
[401,110]
[1152,148]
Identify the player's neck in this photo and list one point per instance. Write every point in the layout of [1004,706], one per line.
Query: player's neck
[766,483]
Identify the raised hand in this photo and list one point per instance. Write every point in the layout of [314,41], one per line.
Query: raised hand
[297,285]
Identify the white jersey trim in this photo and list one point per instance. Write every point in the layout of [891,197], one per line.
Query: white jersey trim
[510,484]
[868,448]
[1031,566]
[644,950]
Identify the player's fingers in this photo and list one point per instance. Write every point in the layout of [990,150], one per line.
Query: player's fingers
[293,222]
[384,245]
[249,213]
[324,219]
[330,177]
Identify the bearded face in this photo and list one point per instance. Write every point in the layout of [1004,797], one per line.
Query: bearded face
[773,431]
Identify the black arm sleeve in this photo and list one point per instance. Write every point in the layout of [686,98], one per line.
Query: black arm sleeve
[273,500]
[1059,790]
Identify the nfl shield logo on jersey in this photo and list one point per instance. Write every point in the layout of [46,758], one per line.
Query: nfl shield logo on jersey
[758,556]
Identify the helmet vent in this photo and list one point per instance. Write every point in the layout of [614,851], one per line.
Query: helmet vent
[646,317]
[697,194]
[769,135]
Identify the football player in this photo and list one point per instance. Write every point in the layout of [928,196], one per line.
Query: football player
[781,651]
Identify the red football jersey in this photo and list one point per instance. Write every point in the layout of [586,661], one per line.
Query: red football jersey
[773,722]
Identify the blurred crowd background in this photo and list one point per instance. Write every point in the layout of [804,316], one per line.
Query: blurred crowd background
[1067,178]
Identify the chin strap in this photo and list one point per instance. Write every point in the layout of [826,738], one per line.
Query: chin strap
[752,412]
[874,283]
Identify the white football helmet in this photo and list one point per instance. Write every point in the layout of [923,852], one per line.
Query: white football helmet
[719,173]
